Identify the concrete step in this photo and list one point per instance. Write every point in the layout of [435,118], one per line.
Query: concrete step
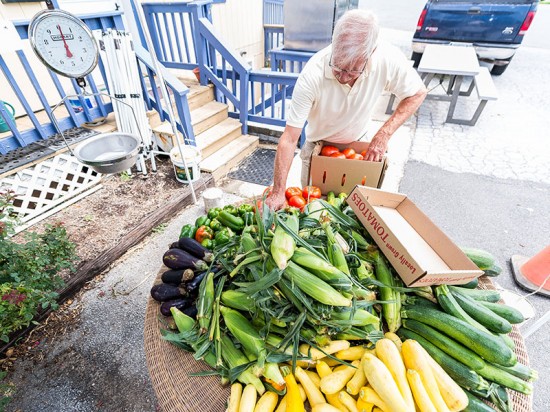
[229,156]
[218,136]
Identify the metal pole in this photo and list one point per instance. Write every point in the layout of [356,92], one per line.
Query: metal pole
[164,91]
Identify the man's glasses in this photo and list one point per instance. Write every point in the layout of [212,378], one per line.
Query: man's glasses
[340,71]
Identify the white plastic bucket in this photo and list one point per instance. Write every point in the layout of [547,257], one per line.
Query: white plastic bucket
[192,158]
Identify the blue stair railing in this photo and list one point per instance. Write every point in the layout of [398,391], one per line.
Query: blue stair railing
[42,129]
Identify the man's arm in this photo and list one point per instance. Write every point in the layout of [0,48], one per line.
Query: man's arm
[404,110]
[283,161]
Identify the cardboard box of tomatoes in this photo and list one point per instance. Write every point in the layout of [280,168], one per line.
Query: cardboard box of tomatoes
[418,250]
[341,169]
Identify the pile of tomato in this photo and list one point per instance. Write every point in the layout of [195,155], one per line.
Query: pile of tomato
[297,197]
[347,153]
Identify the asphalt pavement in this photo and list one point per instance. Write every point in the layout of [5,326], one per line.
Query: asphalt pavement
[486,186]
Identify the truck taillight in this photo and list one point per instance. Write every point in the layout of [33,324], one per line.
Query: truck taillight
[421,20]
[526,23]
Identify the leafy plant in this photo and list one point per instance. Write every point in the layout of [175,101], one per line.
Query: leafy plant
[160,228]
[6,390]
[125,176]
[29,271]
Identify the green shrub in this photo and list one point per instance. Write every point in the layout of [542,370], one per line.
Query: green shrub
[29,271]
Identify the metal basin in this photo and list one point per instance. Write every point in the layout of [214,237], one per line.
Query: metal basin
[109,152]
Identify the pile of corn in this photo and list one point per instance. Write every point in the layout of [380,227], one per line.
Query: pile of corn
[392,377]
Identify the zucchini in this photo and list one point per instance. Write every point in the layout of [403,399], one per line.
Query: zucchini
[483,315]
[493,271]
[509,313]
[500,376]
[420,301]
[477,405]
[485,295]
[521,371]
[446,344]
[452,307]
[481,258]
[491,348]
[472,284]
[461,373]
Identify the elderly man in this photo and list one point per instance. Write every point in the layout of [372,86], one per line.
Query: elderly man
[336,93]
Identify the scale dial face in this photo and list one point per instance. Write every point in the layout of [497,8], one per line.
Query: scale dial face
[63,43]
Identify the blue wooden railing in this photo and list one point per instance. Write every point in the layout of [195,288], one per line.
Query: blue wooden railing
[274,20]
[42,130]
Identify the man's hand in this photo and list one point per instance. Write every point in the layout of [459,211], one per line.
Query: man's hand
[377,147]
[276,201]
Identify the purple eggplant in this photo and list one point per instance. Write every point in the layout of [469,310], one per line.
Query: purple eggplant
[163,292]
[181,304]
[174,245]
[177,276]
[180,259]
[191,311]
[195,248]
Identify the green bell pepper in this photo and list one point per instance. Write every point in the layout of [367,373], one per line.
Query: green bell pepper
[231,209]
[207,243]
[202,221]
[188,231]
[223,236]
[246,208]
[215,225]
[213,213]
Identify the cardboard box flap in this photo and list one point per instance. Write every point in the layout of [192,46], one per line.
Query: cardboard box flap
[441,244]
[417,249]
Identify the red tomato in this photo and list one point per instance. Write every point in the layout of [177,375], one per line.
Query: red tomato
[328,150]
[338,155]
[297,201]
[364,153]
[348,152]
[356,156]
[267,191]
[311,192]
[293,191]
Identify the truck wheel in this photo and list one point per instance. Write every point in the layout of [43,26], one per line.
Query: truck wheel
[416,58]
[498,70]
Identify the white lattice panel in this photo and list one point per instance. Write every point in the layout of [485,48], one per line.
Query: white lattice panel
[47,184]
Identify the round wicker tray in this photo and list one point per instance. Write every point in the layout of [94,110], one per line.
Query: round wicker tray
[169,368]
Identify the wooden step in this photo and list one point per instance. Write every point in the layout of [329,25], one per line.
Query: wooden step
[207,116]
[218,136]
[229,156]
[200,95]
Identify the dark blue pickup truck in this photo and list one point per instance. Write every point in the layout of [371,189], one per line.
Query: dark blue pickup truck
[494,27]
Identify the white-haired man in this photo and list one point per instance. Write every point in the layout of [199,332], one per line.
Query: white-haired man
[336,93]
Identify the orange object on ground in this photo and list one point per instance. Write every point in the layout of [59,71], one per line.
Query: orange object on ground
[537,269]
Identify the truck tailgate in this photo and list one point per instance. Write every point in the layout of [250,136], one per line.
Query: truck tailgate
[483,21]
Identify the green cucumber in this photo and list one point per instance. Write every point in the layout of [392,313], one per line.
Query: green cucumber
[493,271]
[418,300]
[477,405]
[449,346]
[491,348]
[459,372]
[483,315]
[472,284]
[486,295]
[509,313]
[481,258]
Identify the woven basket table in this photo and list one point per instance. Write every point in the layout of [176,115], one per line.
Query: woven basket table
[170,367]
